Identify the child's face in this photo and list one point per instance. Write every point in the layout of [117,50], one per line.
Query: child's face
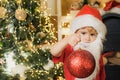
[87,34]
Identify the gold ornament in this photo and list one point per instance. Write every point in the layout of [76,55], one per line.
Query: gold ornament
[40,35]
[32,27]
[28,45]
[20,14]
[2,12]
[43,5]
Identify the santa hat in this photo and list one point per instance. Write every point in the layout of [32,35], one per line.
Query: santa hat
[89,16]
[112,6]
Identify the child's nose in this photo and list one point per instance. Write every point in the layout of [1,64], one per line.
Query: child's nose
[88,38]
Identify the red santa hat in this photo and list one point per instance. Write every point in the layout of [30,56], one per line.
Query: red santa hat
[112,6]
[89,16]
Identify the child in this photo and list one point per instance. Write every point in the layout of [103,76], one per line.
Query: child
[87,33]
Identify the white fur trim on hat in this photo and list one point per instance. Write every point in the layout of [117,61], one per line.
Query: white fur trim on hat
[89,20]
[115,10]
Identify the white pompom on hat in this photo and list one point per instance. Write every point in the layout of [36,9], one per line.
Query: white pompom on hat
[89,16]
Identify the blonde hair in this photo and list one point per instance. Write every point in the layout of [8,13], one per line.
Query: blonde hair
[89,28]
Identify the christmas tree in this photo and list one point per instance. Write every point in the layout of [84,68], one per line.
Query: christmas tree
[26,34]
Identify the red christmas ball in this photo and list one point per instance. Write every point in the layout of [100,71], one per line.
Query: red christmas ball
[81,63]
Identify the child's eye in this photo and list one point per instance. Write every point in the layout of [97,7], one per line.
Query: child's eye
[92,34]
[83,33]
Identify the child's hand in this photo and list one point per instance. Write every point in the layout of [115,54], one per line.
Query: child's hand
[73,39]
